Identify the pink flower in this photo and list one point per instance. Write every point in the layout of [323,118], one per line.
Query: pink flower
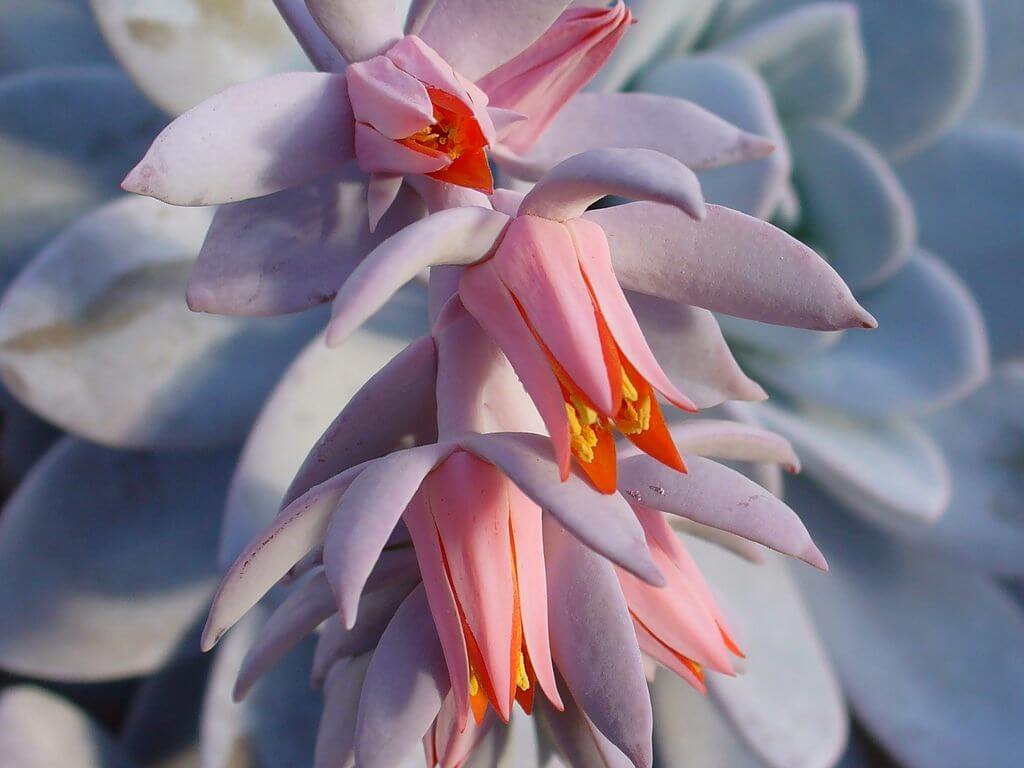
[545,279]
[528,582]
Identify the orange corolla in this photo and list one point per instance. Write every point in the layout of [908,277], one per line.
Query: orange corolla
[550,299]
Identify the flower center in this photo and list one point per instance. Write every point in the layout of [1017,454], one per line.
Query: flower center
[455,133]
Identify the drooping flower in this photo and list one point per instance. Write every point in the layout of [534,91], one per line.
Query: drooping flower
[427,99]
[515,567]
[545,279]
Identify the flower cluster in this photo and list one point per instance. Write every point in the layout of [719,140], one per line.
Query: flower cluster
[538,222]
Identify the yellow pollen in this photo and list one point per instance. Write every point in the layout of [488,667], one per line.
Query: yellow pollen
[635,416]
[522,679]
[583,438]
[474,684]
[628,390]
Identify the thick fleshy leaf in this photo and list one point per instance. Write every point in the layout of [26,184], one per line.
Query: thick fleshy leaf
[854,208]
[359,28]
[366,516]
[787,704]
[714,495]
[129,565]
[734,441]
[734,92]
[250,140]
[160,736]
[593,643]
[688,344]
[572,186]
[605,523]
[966,193]
[730,262]
[104,301]
[66,136]
[999,97]
[911,613]
[673,126]
[707,741]
[182,53]
[457,236]
[931,351]
[981,439]
[293,534]
[309,604]
[405,684]
[475,36]
[291,250]
[321,52]
[275,725]
[879,469]
[929,100]
[48,33]
[335,741]
[314,389]
[38,729]
[812,59]
[662,26]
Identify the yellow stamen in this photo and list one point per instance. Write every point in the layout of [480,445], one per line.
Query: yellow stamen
[522,679]
[582,436]
[635,416]
[474,684]
[628,390]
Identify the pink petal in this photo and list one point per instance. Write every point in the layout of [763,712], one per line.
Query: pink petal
[366,516]
[404,688]
[295,531]
[677,128]
[335,738]
[663,539]
[656,650]
[537,262]
[595,260]
[731,263]
[568,189]
[688,344]
[376,153]
[250,140]
[594,644]
[605,523]
[533,590]
[388,99]
[712,494]
[734,441]
[475,36]
[454,746]
[304,609]
[411,54]
[456,236]
[540,80]
[490,303]
[398,401]
[443,606]
[677,615]
[291,250]
[358,28]
[469,501]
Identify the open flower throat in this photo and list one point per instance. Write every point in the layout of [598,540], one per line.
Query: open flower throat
[456,135]
[416,115]
[550,288]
